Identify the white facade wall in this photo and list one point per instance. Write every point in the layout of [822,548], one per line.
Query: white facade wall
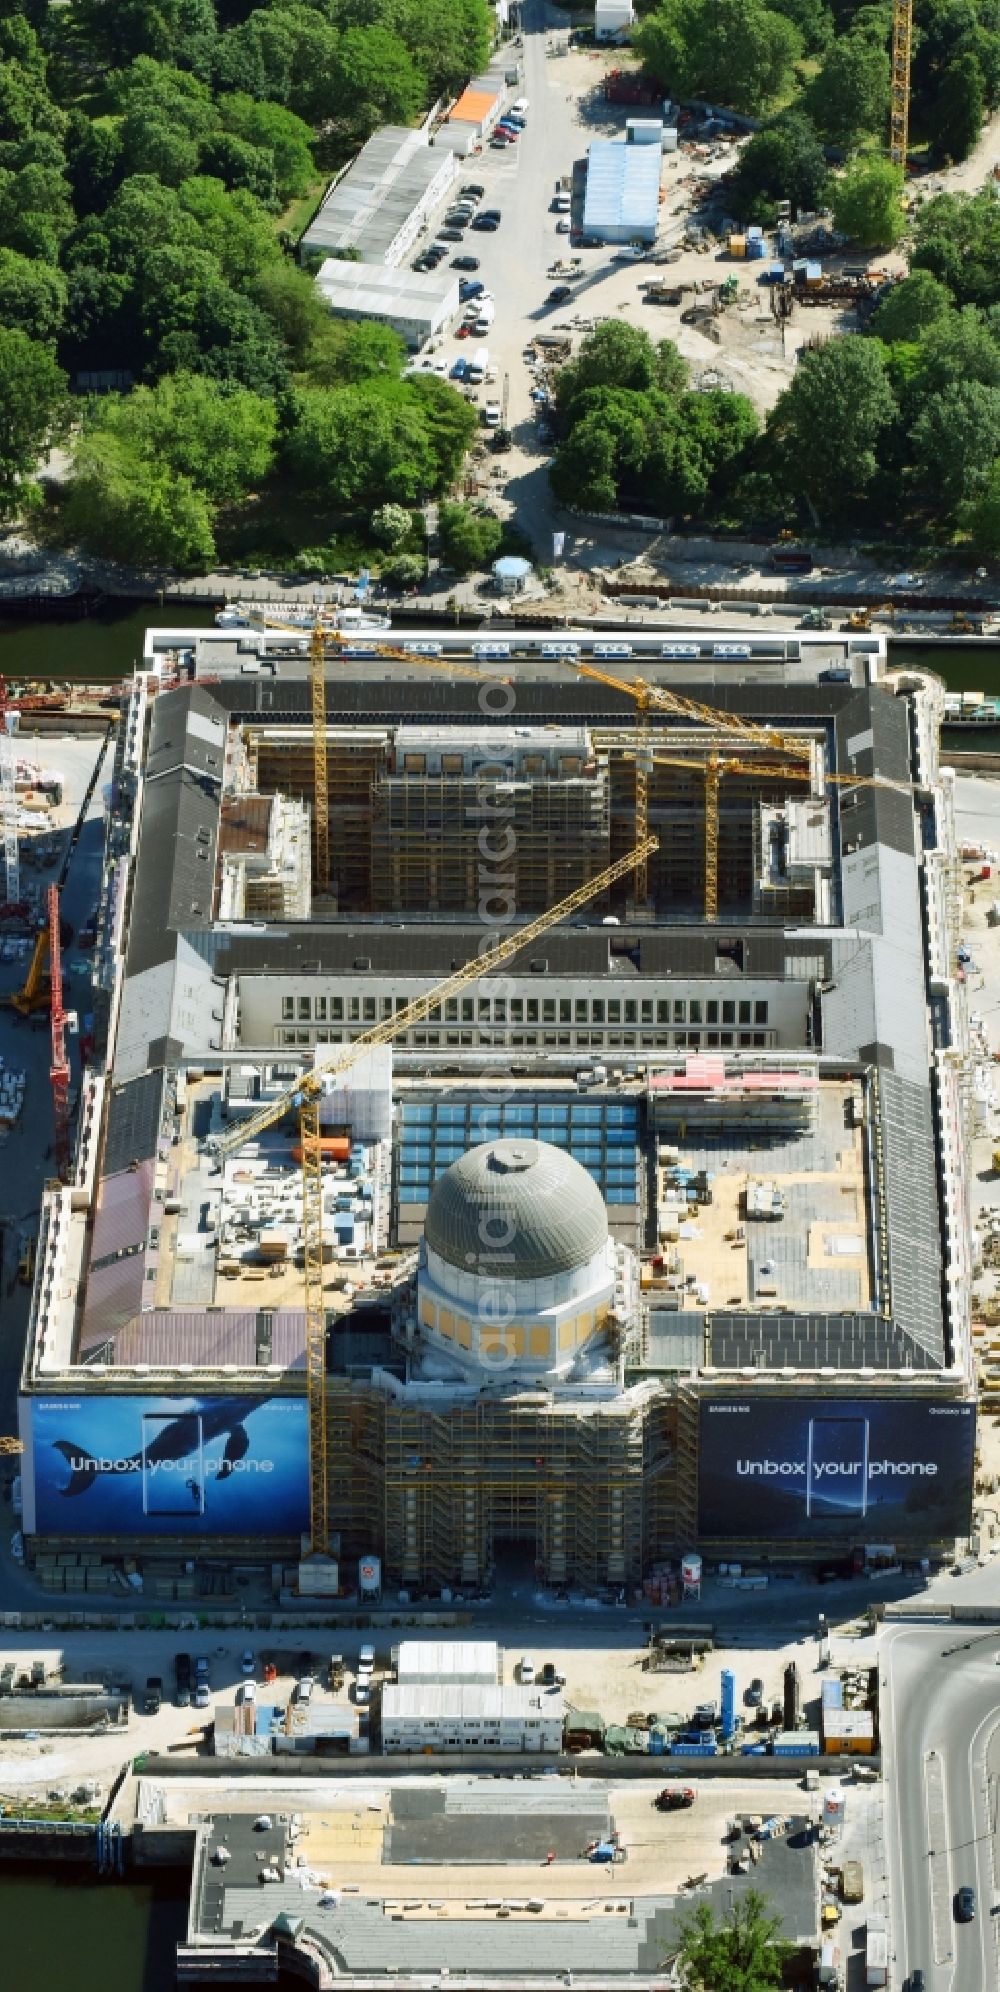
[593,1014]
[612,19]
[454,1717]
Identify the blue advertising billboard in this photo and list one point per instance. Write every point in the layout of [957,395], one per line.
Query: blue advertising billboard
[877,1469]
[205,1466]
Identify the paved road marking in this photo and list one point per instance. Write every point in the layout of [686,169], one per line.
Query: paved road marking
[937,1841]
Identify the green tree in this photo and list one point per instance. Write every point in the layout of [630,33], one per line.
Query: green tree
[734,52]
[827,426]
[275,130]
[240,165]
[130,509]
[584,470]
[850,96]
[467,539]
[390,525]
[958,240]
[784,161]
[955,442]
[867,203]
[356,447]
[616,354]
[449,422]
[32,295]
[222,441]
[169,30]
[296,310]
[741,1952]
[960,106]
[910,307]
[32,407]
[980,517]
[375,80]
[962,346]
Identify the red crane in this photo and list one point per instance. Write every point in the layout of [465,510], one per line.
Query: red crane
[59,1069]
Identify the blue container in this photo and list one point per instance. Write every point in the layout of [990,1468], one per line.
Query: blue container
[657,1743]
[832,1694]
[755,249]
[753,1749]
[344,1228]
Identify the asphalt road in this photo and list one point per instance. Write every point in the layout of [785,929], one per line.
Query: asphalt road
[941,1730]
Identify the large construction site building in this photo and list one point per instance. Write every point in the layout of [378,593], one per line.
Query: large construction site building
[659,1240]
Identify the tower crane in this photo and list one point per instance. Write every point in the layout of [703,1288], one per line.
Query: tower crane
[899,105]
[305,1096]
[59,1068]
[715,765]
[646,696]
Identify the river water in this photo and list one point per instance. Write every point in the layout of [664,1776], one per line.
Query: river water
[104,645]
[63,1929]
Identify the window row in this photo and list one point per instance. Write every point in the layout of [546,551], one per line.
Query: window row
[529,1010]
[577,1040]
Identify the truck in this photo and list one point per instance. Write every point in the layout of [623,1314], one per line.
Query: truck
[476,372]
[876,1955]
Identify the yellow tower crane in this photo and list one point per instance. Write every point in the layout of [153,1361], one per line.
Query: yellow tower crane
[745,731]
[305,1097]
[715,765]
[899,106]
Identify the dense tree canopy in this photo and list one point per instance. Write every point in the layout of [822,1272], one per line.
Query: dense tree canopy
[631,432]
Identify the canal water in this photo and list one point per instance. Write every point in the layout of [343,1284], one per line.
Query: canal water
[104,645]
[63,1928]
[108,644]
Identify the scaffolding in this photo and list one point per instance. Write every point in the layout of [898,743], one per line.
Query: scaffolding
[443,1489]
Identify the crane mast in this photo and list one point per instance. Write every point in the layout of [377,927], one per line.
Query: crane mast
[59,1067]
[899,110]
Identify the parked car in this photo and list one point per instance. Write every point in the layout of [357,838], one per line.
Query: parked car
[458,371]
[182,1668]
[153,1696]
[965,1905]
[630,252]
[499,141]
[422,262]
[674,1798]
[449,235]
[436,254]
[520,106]
[473,190]
[755,1693]
[488,221]
[526,1670]
[362,1692]
[563,225]
[201,1668]
[492,414]
[202,1696]
[559,293]
[366,1660]
[304,1688]
[247,1667]
[473,289]
[465,262]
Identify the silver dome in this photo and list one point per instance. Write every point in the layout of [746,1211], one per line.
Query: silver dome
[517,1209]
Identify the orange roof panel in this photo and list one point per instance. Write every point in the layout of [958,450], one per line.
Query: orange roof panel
[473,106]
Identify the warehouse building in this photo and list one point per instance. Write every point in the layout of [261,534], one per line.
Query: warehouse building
[719,1220]
[377,208]
[622,196]
[414,303]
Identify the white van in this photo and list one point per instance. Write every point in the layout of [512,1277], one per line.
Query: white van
[476,371]
[487,313]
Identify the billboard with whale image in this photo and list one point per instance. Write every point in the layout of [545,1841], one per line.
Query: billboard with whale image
[878,1469]
[181,1466]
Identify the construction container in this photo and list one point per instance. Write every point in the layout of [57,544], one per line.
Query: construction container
[756,249]
[332,1148]
[876,1955]
[832,1694]
[796,1743]
[738,246]
[273,1245]
[849,1729]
